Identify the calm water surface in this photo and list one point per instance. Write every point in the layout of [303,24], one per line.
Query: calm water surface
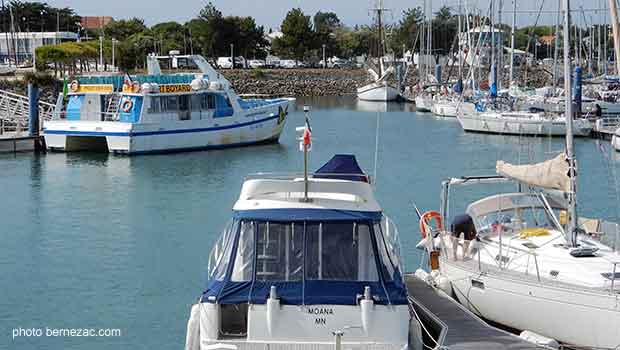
[99,241]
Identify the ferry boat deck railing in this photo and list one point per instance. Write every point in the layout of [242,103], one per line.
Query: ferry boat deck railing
[86,116]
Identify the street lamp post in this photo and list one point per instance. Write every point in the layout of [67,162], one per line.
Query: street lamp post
[324,60]
[232,56]
[113,52]
[101,53]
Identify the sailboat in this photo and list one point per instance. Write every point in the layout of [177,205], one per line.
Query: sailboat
[380,89]
[524,259]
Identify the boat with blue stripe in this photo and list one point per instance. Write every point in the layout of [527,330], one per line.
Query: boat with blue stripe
[158,112]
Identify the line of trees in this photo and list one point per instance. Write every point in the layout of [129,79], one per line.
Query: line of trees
[213,34]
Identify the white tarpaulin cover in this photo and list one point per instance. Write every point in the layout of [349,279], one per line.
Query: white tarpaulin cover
[551,174]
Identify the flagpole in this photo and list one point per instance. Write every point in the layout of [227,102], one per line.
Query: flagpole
[305,143]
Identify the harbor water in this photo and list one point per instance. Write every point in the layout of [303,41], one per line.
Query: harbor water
[106,242]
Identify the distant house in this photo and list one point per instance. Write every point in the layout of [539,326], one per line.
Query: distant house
[95,22]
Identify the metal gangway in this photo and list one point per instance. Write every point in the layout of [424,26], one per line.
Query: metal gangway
[14,116]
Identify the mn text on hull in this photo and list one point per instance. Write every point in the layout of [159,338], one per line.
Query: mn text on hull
[289,272]
[161,113]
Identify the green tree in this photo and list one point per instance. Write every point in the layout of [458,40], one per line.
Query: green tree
[408,29]
[37,16]
[298,35]
[122,29]
[326,22]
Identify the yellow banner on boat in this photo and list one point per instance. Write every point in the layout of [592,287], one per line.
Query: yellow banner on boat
[173,88]
[533,232]
[95,88]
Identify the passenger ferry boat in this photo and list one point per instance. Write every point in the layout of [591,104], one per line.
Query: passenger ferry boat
[306,271]
[159,113]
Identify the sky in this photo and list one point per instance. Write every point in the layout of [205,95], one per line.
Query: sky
[270,13]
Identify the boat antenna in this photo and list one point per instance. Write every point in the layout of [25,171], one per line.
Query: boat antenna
[568,108]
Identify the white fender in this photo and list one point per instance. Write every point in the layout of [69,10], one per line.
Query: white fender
[192,340]
[273,306]
[366,306]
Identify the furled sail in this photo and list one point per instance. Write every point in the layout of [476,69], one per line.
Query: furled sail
[550,174]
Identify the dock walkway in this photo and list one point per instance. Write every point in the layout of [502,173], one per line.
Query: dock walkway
[462,330]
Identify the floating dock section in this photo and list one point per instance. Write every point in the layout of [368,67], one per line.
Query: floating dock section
[452,326]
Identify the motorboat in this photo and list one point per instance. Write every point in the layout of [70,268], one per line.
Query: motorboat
[615,140]
[162,113]
[307,262]
[424,102]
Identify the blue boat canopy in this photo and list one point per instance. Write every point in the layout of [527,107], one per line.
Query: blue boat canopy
[342,166]
[308,262]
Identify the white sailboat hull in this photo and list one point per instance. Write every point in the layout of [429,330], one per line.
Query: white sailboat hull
[520,123]
[615,140]
[444,108]
[424,103]
[377,92]
[581,318]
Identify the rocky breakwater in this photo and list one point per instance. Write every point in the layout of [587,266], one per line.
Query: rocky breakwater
[296,82]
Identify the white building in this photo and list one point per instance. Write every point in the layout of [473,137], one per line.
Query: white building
[25,43]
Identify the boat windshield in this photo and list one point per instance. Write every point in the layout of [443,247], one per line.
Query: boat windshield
[511,214]
[294,251]
[220,253]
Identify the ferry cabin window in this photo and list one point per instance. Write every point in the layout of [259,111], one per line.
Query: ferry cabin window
[339,252]
[280,250]
[244,259]
[197,102]
[210,101]
[154,105]
[172,104]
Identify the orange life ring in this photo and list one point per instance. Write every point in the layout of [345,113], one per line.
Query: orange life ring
[426,217]
[74,86]
[127,105]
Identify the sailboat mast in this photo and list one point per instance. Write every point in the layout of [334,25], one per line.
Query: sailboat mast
[380,37]
[556,49]
[615,30]
[458,38]
[568,106]
[500,50]
[512,41]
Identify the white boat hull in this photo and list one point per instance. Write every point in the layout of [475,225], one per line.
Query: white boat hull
[520,123]
[378,92]
[444,109]
[571,316]
[423,103]
[615,140]
[171,136]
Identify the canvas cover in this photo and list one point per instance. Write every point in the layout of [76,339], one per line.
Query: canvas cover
[343,167]
[550,174]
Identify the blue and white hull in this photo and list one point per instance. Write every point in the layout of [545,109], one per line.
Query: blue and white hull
[162,113]
[168,136]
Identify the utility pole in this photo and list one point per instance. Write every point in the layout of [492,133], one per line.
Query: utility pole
[324,61]
[101,52]
[232,56]
[113,54]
